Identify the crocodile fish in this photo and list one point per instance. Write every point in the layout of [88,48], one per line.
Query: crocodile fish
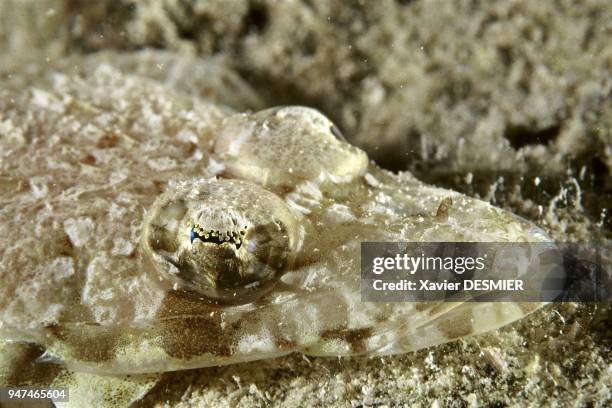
[147,229]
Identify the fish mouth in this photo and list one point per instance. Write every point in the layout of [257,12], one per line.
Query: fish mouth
[217,237]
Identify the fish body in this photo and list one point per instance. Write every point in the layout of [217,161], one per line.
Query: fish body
[146,229]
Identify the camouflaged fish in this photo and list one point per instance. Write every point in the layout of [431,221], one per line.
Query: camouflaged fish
[145,229]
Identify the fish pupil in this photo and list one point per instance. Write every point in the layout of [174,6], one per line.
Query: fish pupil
[217,237]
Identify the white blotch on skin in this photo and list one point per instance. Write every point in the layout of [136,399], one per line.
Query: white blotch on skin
[161,164]
[79,230]
[340,213]
[122,247]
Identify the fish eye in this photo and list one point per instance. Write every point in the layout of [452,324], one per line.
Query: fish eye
[225,240]
[282,146]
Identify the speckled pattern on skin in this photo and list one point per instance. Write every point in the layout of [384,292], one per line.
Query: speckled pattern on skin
[538,57]
[105,175]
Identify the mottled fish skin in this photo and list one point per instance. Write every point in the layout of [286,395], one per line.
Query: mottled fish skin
[110,184]
[20,367]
